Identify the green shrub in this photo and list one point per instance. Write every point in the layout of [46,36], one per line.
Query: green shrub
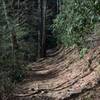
[6,86]
[76,19]
[83,51]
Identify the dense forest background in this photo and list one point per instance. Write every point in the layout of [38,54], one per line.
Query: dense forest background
[29,29]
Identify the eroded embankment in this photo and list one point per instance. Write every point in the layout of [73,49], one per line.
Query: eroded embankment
[61,76]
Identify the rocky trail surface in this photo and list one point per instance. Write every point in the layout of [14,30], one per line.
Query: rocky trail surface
[61,77]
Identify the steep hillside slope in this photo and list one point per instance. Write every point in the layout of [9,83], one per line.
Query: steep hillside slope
[61,77]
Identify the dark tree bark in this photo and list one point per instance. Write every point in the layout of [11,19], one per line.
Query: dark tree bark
[14,41]
[39,31]
[43,42]
[42,28]
[59,2]
[57,6]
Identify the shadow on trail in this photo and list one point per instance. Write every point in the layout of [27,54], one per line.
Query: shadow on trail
[43,98]
[43,75]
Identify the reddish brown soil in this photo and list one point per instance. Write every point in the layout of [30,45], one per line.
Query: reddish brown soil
[62,77]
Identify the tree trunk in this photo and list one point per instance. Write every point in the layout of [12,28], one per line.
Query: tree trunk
[12,31]
[57,6]
[41,28]
[43,22]
[39,31]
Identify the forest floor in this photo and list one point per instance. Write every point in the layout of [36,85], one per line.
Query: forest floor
[64,76]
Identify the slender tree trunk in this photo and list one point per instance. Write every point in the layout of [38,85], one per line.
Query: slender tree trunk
[41,28]
[57,6]
[14,39]
[39,31]
[43,21]
[11,29]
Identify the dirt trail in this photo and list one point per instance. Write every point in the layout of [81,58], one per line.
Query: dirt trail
[60,77]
